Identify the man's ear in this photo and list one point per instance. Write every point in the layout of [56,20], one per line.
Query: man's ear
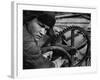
[50,32]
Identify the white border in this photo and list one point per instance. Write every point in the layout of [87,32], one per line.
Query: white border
[17,53]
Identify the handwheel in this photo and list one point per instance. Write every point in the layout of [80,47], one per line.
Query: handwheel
[58,52]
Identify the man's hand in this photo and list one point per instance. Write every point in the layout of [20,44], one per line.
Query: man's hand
[59,61]
[48,54]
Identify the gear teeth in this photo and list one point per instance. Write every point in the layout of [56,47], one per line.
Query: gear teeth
[63,31]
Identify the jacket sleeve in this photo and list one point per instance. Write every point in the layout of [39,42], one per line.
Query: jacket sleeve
[32,58]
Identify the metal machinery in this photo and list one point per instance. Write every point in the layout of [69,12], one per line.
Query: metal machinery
[76,52]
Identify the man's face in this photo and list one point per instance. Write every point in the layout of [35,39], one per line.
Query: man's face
[37,28]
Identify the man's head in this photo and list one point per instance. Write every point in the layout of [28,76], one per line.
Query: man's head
[47,19]
[39,25]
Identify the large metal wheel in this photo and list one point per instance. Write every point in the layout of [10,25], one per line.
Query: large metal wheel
[77,38]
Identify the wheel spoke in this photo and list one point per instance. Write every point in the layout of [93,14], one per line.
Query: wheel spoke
[72,37]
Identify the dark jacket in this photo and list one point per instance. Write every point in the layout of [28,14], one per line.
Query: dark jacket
[32,57]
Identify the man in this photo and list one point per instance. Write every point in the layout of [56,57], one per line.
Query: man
[34,36]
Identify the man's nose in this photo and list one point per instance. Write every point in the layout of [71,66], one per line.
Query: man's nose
[43,31]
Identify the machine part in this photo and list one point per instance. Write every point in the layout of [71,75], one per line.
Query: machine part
[57,53]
